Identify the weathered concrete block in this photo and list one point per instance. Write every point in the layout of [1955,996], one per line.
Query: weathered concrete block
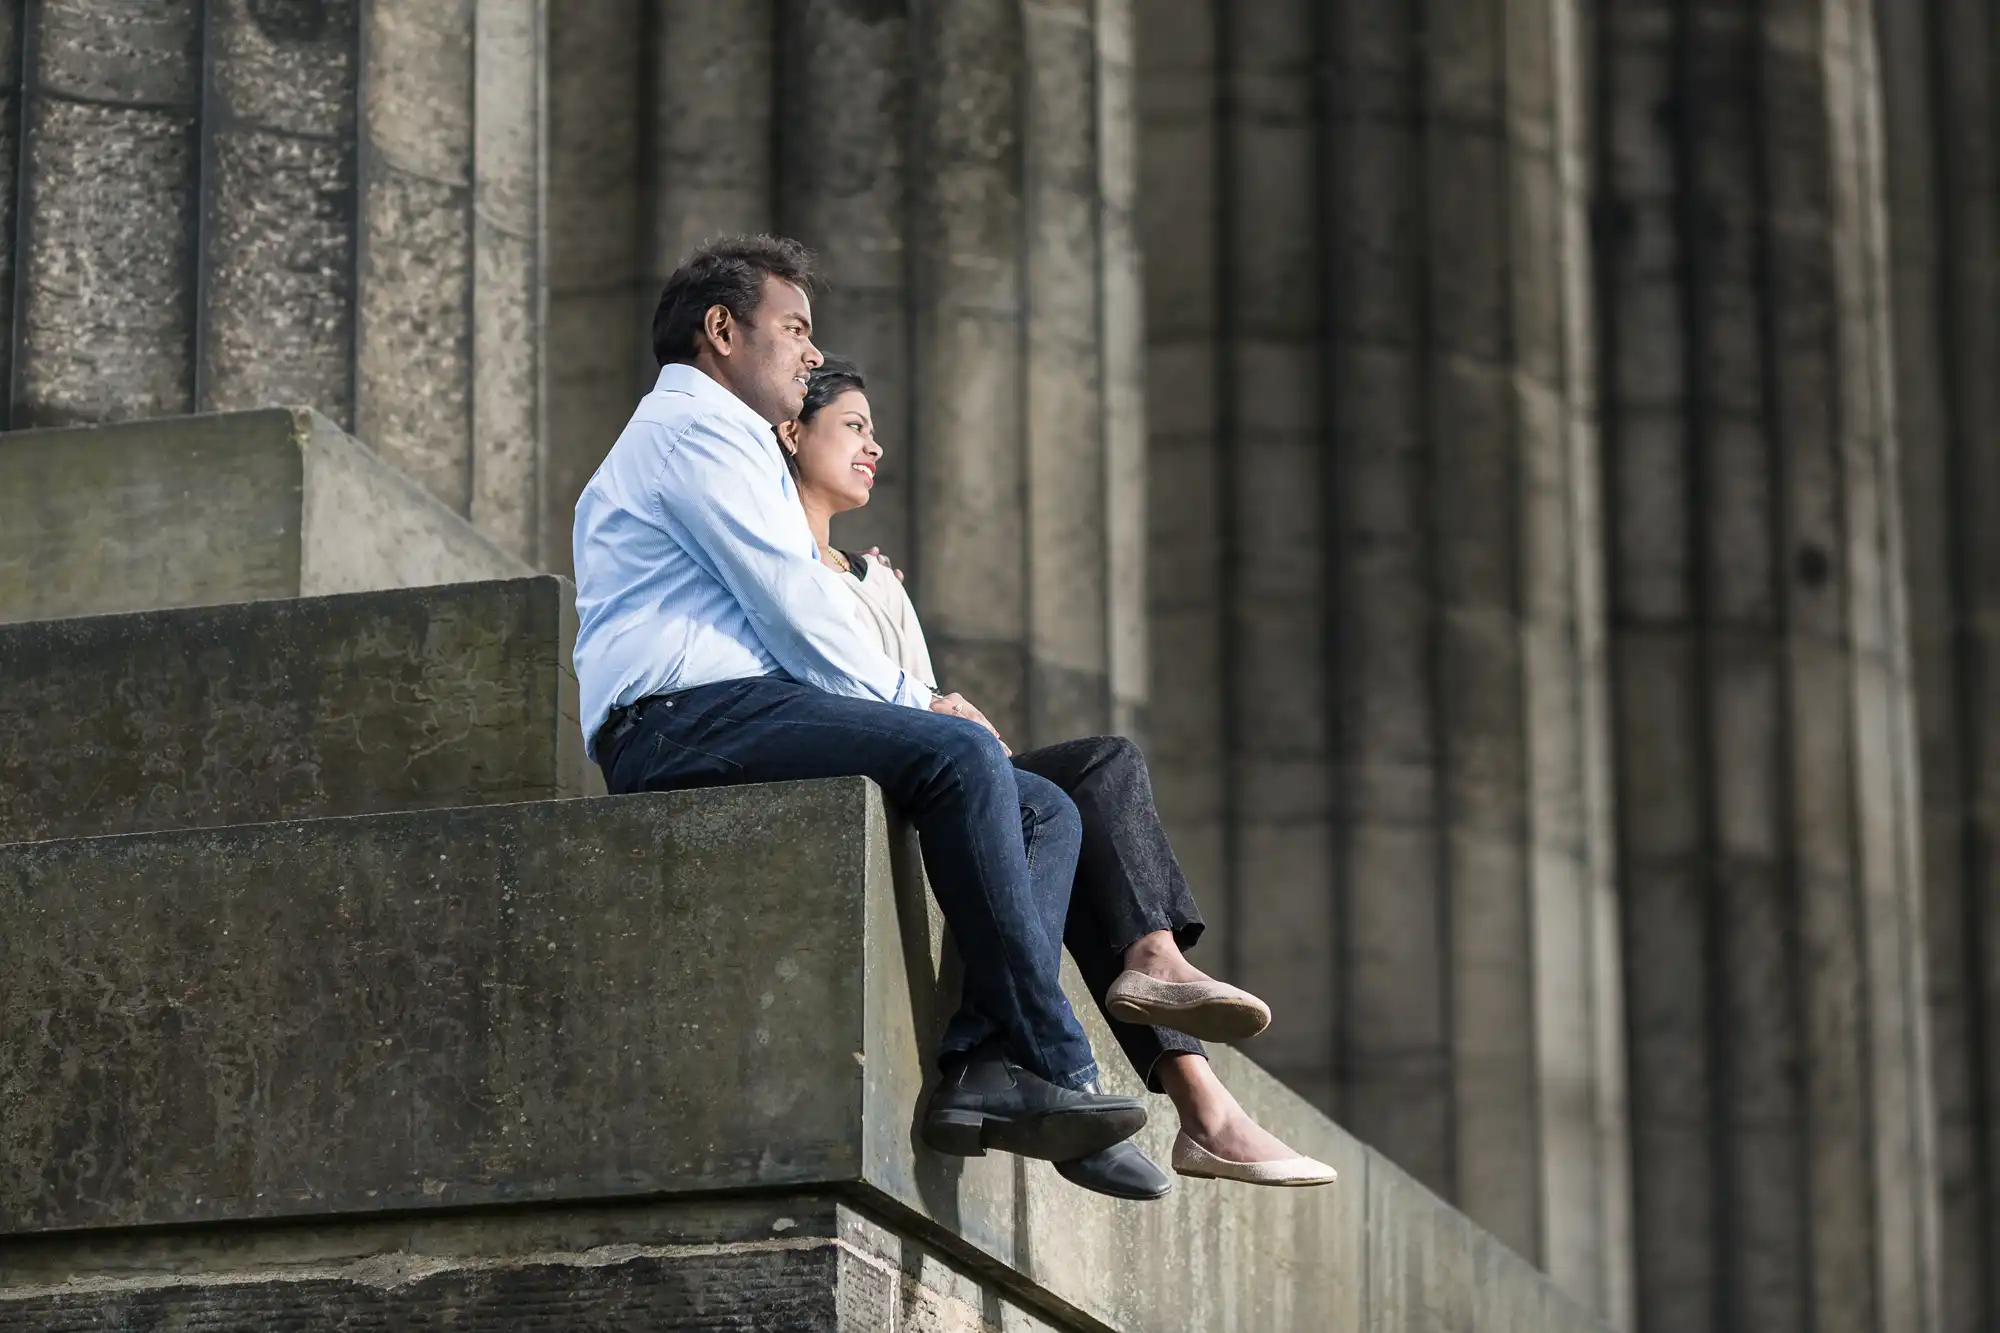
[790,1264]
[596,1000]
[285,709]
[191,511]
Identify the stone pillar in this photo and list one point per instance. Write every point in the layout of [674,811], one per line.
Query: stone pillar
[1178,151]
[965,173]
[1481,1025]
[660,138]
[1766,766]
[1122,348]
[1375,532]
[970,269]
[708,118]
[842,188]
[229,205]
[1941,100]
[599,303]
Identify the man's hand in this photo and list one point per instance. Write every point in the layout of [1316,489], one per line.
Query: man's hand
[875,553]
[954,705]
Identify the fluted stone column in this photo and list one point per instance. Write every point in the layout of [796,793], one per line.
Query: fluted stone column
[842,188]
[1377,612]
[599,342]
[1762,695]
[970,261]
[1941,84]
[965,173]
[227,204]
[660,138]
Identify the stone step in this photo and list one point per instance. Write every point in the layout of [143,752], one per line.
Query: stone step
[601,1004]
[787,1264]
[222,507]
[407,699]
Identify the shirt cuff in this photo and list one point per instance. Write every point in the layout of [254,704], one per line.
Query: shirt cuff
[912,692]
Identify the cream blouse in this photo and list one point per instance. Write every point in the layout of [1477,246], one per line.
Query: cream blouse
[881,605]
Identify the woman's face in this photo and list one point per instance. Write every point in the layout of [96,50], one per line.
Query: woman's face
[837,452]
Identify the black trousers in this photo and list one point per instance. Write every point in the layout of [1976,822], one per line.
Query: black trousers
[1128,883]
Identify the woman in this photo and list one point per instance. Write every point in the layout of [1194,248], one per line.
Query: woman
[1131,913]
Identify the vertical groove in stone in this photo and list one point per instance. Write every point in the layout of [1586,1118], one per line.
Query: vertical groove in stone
[204,178]
[13,44]
[1578,1164]
[1584,1149]
[968,225]
[1889,854]
[107,274]
[1121,335]
[415,349]
[842,188]
[1454,550]
[1762,704]
[1484,439]
[278,307]
[1661,813]
[600,293]
[508,314]
[1274,576]
[1178,146]
[1940,120]
[1223,479]
[709,172]
[1066,539]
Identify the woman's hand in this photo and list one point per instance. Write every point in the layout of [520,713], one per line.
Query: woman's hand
[954,705]
[875,553]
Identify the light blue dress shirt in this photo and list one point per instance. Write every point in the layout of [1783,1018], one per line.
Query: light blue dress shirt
[694,564]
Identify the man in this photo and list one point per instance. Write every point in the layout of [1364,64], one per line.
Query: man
[711,650]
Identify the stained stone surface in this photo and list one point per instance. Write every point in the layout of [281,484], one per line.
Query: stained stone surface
[790,1264]
[106,251]
[584,1001]
[279,308]
[355,704]
[1764,702]
[841,188]
[413,370]
[965,172]
[1068,593]
[236,204]
[187,511]
[107,273]
[1378,730]
[1940,98]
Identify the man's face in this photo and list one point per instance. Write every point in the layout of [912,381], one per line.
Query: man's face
[772,353]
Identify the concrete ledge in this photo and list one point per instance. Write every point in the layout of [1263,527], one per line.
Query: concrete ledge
[620,998]
[223,507]
[797,1264]
[367,702]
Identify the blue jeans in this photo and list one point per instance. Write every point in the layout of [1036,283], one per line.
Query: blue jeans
[1000,845]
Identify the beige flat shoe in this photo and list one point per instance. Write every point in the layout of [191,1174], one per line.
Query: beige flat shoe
[1191,1159]
[1210,1010]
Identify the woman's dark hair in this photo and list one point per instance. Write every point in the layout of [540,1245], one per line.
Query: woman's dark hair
[832,378]
[728,273]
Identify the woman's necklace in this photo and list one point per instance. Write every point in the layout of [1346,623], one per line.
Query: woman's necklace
[839,561]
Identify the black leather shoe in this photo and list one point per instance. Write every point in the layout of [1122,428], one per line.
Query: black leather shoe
[1123,1171]
[991,1102]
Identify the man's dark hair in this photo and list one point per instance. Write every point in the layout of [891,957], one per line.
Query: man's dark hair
[832,378]
[729,272]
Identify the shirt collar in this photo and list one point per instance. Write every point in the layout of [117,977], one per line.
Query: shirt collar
[680,377]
